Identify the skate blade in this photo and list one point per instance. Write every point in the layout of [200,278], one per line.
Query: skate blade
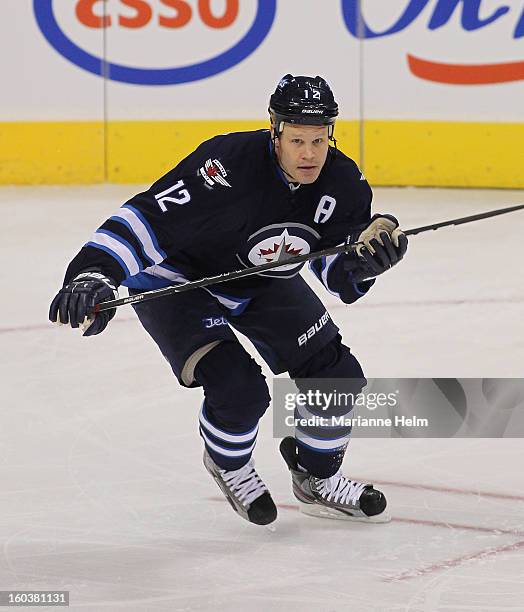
[319,511]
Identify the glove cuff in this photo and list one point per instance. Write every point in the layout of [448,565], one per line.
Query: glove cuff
[357,268]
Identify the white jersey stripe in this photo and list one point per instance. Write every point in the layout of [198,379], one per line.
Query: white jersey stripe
[230,303]
[120,249]
[141,233]
[161,272]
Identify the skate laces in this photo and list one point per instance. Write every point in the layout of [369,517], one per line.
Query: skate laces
[245,483]
[340,489]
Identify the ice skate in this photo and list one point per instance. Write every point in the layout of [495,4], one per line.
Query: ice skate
[245,491]
[336,497]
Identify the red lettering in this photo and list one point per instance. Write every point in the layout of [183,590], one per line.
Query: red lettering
[228,17]
[184,12]
[142,17]
[86,15]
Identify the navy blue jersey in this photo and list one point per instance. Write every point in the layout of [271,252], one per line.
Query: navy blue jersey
[225,207]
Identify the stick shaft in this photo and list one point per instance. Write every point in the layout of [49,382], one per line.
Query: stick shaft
[220,278]
[228,276]
[462,220]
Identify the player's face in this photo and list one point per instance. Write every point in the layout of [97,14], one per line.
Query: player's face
[302,151]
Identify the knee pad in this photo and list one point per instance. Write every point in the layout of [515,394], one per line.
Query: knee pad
[187,375]
[235,389]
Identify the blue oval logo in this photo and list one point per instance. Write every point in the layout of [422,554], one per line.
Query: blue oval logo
[253,38]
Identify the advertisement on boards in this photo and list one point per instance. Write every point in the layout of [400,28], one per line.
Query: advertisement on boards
[215,61]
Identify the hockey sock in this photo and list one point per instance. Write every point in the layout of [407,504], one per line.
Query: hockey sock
[230,451]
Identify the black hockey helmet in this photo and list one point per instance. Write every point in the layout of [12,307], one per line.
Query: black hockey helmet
[303,100]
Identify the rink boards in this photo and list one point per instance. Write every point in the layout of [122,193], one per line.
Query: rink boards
[430,91]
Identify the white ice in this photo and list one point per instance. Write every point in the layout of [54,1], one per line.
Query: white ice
[102,489]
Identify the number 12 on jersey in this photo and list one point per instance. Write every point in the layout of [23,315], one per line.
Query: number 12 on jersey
[179,196]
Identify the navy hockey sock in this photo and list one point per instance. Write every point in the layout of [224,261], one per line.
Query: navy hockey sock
[236,397]
[320,465]
[230,451]
[321,448]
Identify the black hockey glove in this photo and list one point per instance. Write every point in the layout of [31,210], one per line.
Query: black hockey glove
[380,246]
[74,303]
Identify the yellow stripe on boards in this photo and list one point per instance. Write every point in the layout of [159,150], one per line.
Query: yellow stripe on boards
[51,153]
[444,154]
[137,151]
[141,152]
[419,153]
[347,134]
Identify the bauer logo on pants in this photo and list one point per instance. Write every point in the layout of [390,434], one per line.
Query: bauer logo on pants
[314,329]
[74,29]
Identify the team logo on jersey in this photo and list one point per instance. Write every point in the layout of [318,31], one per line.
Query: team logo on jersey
[279,243]
[214,173]
[280,251]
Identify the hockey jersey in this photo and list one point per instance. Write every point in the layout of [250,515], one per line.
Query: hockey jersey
[228,206]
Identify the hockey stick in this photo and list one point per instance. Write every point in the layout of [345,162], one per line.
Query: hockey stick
[227,276]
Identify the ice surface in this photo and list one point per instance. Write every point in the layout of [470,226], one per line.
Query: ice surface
[103,492]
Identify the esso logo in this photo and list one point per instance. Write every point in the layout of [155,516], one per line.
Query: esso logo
[142,14]
[155,42]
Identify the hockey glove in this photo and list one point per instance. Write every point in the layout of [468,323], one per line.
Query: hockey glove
[75,302]
[379,246]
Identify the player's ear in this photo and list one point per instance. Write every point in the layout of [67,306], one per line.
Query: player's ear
[274,137]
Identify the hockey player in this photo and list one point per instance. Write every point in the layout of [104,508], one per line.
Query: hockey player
[242,199]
